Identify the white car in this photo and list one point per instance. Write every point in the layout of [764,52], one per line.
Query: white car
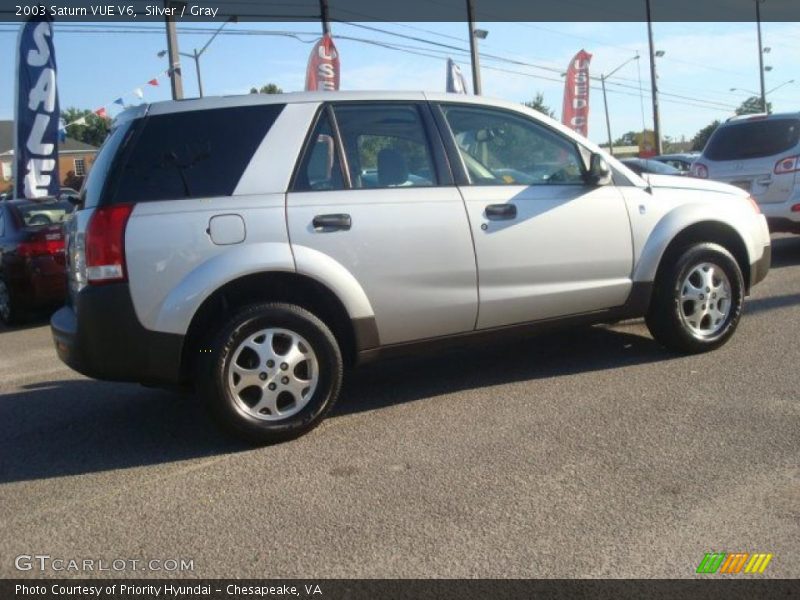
[761,155]
[254,246]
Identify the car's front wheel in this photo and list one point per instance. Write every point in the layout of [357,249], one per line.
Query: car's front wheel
[272,373]
[697,300]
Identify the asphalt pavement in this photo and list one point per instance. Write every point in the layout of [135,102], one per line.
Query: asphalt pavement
[586,453]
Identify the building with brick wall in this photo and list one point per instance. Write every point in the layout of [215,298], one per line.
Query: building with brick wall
[74,158]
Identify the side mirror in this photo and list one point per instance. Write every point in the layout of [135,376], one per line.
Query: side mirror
[599,171]
[73,199]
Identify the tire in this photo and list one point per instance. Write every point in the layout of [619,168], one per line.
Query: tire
[689,312]
[271,373]
[9,312]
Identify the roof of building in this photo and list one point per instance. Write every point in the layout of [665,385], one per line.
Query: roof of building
[68,145]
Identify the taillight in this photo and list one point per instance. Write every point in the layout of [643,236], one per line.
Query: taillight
[105,244]
[795,208]
[41,244]
[699,170]
[790,164]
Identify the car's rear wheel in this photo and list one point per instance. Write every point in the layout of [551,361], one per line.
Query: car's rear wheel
[9,313]
[272,373]
[697,300]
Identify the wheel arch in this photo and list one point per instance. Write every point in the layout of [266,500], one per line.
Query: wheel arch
[710,231]
[351,333]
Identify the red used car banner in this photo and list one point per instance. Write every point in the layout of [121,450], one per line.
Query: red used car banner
[575,113]
[323,66]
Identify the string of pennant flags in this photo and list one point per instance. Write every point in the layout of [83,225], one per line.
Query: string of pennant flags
[103,111]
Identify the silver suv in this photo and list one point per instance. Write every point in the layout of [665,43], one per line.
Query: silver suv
[761,155]
[255,246]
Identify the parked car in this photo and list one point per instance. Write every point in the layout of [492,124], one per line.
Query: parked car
[681,161]
[32,273]
[761,155]
[650,165]
[255,246]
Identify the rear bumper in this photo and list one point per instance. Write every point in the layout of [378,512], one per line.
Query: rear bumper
[783,225]
[101,337]
[760,268]
[36,282]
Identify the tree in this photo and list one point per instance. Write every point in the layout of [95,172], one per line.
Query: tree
[93,132]
[630,138]
[270,88]
[538,104]
[701,137]
[752,105]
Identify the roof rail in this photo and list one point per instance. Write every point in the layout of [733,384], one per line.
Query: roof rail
[752,116]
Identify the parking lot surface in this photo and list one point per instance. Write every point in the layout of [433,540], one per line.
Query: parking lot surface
[587,453]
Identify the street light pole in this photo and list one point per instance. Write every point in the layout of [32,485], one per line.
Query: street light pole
[473,49]
[196,57]
[608,119]
[761,57]
[605,101]
[653,83]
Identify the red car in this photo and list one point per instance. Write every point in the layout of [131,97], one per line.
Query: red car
[32,273]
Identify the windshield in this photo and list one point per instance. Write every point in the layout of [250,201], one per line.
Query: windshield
[41,214]
[753,139]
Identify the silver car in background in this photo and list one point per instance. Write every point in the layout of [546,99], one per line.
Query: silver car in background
[761,155]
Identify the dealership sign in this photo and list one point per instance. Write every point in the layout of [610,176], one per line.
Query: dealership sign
[37,115]
[575,113]
[323,66]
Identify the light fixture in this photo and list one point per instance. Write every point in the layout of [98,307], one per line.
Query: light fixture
[660,53]
[480,33]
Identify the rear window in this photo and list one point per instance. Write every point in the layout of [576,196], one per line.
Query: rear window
[41,214]
[195,154]
[92,189]
[753,139]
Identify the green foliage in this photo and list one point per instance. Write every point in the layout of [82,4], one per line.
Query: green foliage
[538,104]
[95,130]
[701,137]
[270,88]
[752,106]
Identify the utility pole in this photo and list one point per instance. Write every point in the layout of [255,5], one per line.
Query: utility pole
[761,56]
[654,83]
[176,81]
[473,49]
[326,24]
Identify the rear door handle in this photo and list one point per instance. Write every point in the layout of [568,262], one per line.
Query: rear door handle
[336,222]
[501,212]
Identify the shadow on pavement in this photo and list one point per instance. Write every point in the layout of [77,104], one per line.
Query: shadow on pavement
[61,428]
[548,355]
[758,305]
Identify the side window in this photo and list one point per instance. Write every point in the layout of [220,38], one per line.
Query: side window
[321,168]
[386,145]
[192,154]
[501,148]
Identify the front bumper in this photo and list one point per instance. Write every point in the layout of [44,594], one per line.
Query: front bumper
[101,337]
[760,268]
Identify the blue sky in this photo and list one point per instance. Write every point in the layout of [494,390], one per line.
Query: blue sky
[702,61]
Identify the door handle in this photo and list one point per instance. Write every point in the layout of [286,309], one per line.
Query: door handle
[336,222]
[500,212]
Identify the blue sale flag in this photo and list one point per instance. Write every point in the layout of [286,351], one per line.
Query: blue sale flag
[37,113]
